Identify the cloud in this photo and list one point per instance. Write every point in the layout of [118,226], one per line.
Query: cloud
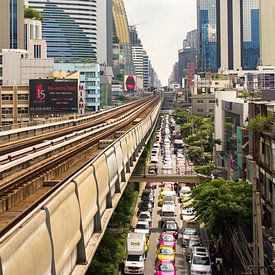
[162,25]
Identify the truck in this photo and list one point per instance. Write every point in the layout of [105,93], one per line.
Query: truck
[136,250]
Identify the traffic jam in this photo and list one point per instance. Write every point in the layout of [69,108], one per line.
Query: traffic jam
[166,238]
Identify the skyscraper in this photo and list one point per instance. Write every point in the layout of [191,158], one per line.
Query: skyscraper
[12,24]
[121,30]
[267,8]
[69,27]
[250,33]
[207,31]
[104,32]
[228,34]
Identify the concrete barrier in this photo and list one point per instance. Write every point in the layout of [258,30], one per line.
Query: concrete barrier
[87,195]
[102,179]
[64,222]
[113,170]
[29,250]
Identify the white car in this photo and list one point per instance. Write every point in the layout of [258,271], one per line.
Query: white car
[187,214]
[145,216]
[143,227]
[200,265]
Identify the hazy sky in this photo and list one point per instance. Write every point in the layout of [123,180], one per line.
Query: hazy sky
[162,25]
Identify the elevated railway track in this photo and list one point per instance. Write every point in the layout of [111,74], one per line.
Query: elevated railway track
[40,172]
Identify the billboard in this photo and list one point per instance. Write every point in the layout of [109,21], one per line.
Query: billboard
[130,83]
[49,96]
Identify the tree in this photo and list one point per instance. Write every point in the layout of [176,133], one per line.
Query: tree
[219,201]
[261,123]
[33,14]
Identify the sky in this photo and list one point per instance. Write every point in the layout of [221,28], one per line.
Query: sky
[162,26]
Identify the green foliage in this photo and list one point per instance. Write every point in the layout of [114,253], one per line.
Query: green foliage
[205,169]
[111,250]
[33,14]
[220,200]
[261,123]
[198,134]
[195,154]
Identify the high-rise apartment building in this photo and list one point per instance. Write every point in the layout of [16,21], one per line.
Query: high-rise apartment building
[12,24]
[267,15]
[146,71]
[137,56]
[69,27]
[228,34]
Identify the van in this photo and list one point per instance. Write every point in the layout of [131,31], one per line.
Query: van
[168,213]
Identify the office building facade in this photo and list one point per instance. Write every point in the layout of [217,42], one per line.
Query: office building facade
[228,34]
[121,31]
[89,79]
[207,31]
[12,24]
[70,31]
[267,26]
[104,32]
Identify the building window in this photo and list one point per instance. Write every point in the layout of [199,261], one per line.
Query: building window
[37,51]
[90,100]
[211,101]
[1,71]
[199,101]
[7,97]
[91,92]
[13,24]
[90,83]
[200,110]
[6,111]
[23,97]
[1,59]
[211,110]
[22,111]
[90,75]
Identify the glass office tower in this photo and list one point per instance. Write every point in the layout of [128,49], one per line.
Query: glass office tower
[69,27]
[208,41]
[250,33]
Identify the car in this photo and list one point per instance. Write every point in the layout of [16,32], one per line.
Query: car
[188,232]
[191,244]
[142,227]
[145,216]
[171,227]
[165,202]
[187,214]
[151,185]
[166,253]
[148,195]
[167,239]
[165,268]
[201,251]
[200,265]
[184,190]
[145,206]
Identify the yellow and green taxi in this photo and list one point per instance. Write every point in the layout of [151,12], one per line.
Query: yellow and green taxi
[166,253]
[186,201]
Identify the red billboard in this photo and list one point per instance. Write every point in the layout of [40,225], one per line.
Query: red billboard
[130,83]
[49,96]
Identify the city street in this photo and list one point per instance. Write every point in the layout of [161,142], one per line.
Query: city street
[181,264]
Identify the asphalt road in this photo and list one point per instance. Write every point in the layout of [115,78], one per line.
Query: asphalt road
[181,265]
